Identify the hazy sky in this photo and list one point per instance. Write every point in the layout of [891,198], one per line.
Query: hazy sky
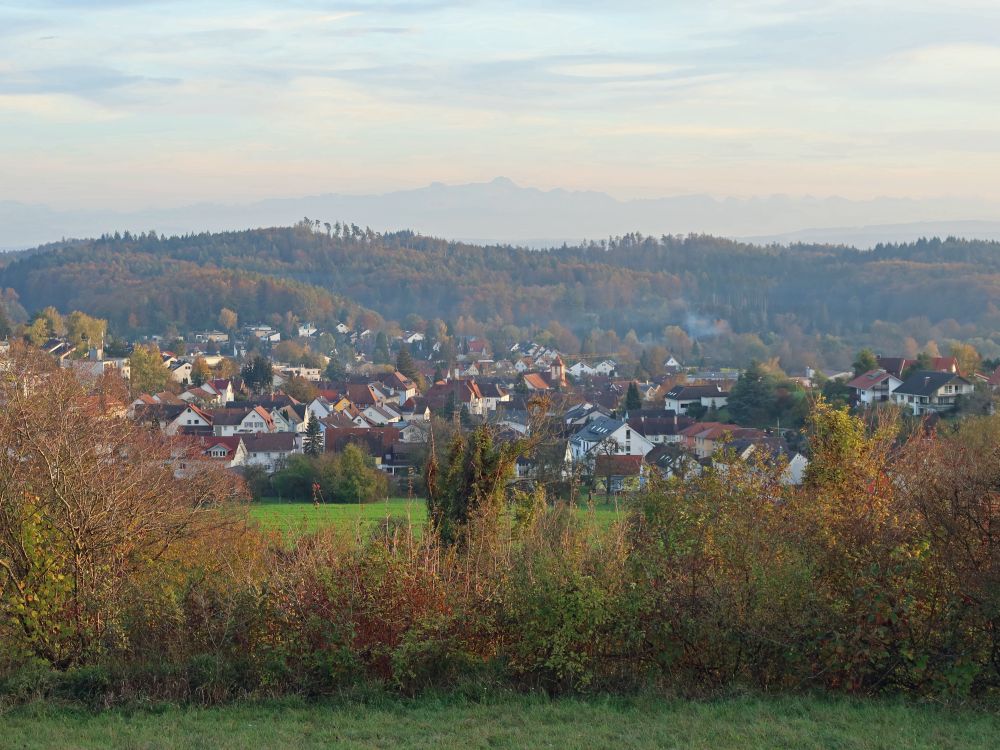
[110,103]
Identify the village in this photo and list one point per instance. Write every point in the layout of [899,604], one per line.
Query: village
[233,398]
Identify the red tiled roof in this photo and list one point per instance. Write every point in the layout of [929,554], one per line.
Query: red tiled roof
[618,466]
[870,379]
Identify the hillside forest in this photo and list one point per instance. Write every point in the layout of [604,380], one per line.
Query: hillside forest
[703,298]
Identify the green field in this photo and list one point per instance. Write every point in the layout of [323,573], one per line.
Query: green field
[515,722]
[298,517]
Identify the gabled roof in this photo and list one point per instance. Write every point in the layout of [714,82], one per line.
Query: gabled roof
[270,442]
[235,416]
[535,381]
[927,382]
[363,395]
[598,430]
[231,444]
[665,424]
[896,365]
[685,392]
[870,379]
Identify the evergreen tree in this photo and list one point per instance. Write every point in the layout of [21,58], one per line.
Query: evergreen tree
[405,363]
[472,481]
[450,407]
[335,369]
[381,355]
[313,444]
[751,401]
[633,401]
[258,374]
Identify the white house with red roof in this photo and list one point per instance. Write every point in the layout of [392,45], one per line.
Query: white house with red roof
[874,386]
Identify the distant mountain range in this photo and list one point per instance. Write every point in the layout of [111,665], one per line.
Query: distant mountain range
[503,212]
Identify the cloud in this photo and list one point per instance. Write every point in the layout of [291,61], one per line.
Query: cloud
[86,82]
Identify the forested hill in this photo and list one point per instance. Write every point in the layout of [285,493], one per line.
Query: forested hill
[638,283]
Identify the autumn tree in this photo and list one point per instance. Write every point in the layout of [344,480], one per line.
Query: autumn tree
[300,389]
[864,361]
[200,371]
[148,373]
[228,319]
[82,329]
[967,356]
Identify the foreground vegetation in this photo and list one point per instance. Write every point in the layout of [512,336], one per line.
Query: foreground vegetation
[129,571]
[508,721]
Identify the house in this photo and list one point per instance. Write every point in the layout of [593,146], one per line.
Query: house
[307,329]
[680,398]
[228,450]
[703,438]
[378,442]
[216,392]
[874,386]
[930,391]
[898,365]
[458,393]
[380,415]
[264,333]
[286,373]
[175,419]
[342,329]
[619,473]
[659,426]
[555,378]
[412,432]
[212,337]
[180,372]
[415,408]
[606,436]
[581,369]
[524,364]
[606,367]
[494,395]
[771,452]
[271,450]
[397,385]
[673,460]
[583,413]
[237,421]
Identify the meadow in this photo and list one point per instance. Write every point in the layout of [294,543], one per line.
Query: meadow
[515,721]
[291,517]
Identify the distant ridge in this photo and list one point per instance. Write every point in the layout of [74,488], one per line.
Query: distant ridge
[500,211]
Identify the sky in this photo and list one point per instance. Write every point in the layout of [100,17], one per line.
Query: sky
[107,103]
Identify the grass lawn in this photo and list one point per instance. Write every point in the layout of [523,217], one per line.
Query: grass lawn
[298,517]
[515,722]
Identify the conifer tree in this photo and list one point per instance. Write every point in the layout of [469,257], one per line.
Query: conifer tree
[313,445]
